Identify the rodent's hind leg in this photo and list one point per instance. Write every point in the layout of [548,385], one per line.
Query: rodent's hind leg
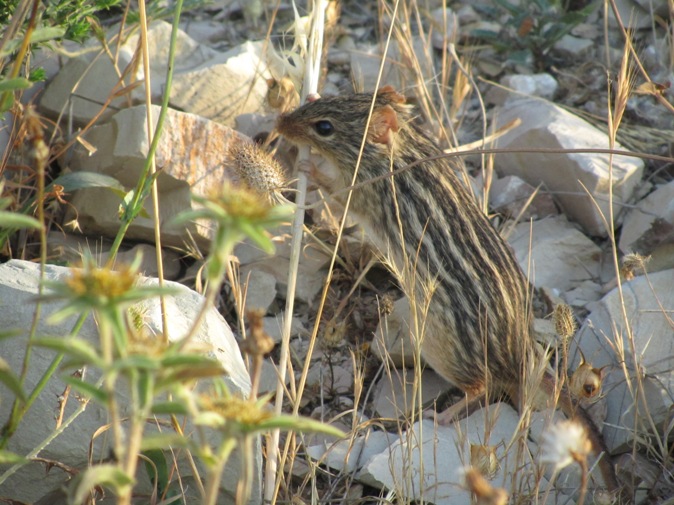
[461,409]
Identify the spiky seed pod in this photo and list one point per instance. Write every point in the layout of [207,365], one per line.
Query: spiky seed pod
[565,323]
[483,492]
[632,264]
[483,458]
[256,169]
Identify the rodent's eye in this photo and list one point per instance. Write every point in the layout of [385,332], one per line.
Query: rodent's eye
[324,127]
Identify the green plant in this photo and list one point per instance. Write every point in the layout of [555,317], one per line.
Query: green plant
[532,28]
[157,375]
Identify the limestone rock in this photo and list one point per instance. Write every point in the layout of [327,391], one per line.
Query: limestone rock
[311,274]
[273,326]
[558,255]
[542,85]
[394,391]
[445,25]
[192,156]
[649,302]
[212,84]
[69,249]
[347,456]
[84,84]
[18,289]
[398,72]
[220,89]
[648,228]
[509,194]
[545,125]
[571,46]
[260,289]
[444,452]
[638,14]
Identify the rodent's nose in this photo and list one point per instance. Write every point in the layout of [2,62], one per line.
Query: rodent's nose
[287,126]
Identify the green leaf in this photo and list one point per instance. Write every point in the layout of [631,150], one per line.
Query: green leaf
[136,361]
[297,423]
[37,75]
[47,33]
[14,220]
[80,180]
[10,380]
[73,346]
[9,458]
[175,408]
[163,441]
[485,34]
[157,469]
[190,360]
[15,84]
[87,389]
[98,475]
[42,34]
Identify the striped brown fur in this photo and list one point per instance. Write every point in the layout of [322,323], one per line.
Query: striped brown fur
[478,322]
[477,329]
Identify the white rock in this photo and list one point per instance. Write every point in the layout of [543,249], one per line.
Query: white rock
[193,156]
[347,456]
[204,31]
[230,84]
[568,480]
[545,125]
[273,326]
[586,292]
[334,379]
[467,14]
[206,82]
[649,303]
[444,452]
[70,249]
[509,194]
[544,332]
[85,82]
[255,126]
[269,378]
[573,46]
[557,255]
[260,289]
[637,14]
[365,64]
[394,392]
[651,223]
[542,85]
[445,25]
[18,288]
[311,274]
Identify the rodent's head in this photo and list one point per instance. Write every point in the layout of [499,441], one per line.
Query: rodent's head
[335,126]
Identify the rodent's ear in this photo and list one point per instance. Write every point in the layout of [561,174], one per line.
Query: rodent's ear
[391,94]
[384,120]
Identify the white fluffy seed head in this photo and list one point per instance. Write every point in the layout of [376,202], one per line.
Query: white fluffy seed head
[564,443]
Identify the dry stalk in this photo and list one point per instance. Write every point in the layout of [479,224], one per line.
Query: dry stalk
[153,166]
[273,471]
